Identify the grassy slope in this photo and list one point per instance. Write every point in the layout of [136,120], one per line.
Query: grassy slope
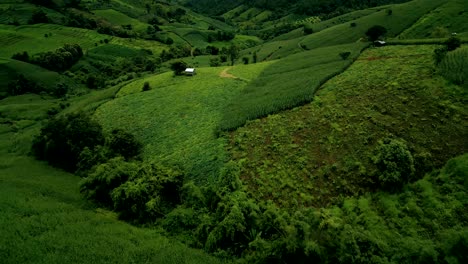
[404,15]
[314,154]
[452,16]
[176,120]
[44,219]
[287,83]
[19,39]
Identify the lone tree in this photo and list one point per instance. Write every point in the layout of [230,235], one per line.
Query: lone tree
[233,53]
[453,43]
[178,67]
[375,32]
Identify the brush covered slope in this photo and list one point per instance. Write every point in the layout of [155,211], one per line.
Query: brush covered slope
[327,147]
[297,141]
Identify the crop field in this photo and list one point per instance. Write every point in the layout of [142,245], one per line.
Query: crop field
[44,218]
[317,154]
[177,118]
[403,16]
[441,22]
[118,18]
[287,83]
[19,39]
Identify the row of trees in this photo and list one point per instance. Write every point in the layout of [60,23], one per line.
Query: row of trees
[59,60]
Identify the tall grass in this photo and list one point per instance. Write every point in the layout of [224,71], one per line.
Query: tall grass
[287,83]
[454,66]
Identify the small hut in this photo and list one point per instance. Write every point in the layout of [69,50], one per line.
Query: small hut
[190,71]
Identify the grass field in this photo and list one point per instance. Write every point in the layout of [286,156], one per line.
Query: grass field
[177,118]
[403,16]
[118,18]
[287,83]
[448,18]
[316,154]
[21,13]
[44,219]
[19,39]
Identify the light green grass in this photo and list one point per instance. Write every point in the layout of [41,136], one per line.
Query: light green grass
[451,16]
[404,15]
[315,154]
[118,18]
[177,118]
[287,83]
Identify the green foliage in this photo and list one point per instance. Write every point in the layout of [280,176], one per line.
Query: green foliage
[38,16]
[454,66]
[395,164]
[345,54]
[287,83]
[453,43]
[146,87]
[178,67]
[59,60]
[375,32]
[63,138]
[122,143]
[139,192]
[315,154]
[439,54]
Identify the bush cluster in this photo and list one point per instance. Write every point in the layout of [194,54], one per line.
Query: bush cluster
[60,59]
[76,143]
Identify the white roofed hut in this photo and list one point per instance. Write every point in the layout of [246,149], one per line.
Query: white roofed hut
[190,71]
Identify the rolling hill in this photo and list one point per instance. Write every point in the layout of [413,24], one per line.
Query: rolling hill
[297,141]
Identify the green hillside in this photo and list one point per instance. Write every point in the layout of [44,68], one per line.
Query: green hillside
[330,142]
[296,138]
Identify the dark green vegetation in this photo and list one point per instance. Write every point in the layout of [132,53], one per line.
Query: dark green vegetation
[299,140]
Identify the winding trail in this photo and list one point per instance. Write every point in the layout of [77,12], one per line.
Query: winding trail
[225,74]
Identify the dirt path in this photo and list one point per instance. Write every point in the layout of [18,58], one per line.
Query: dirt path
[225,74]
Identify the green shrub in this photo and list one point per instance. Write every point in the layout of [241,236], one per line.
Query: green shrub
[395,164]
[121,143]
[345,55]
[146,87]
[375,32]
[104,178]
[63,138]
[453,43]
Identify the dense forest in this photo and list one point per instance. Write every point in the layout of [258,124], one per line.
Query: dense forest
[307,7]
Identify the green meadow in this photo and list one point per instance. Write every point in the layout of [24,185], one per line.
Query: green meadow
[272,91]
[176,120]
[402,17]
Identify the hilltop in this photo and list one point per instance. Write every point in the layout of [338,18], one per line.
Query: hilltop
[299,139]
